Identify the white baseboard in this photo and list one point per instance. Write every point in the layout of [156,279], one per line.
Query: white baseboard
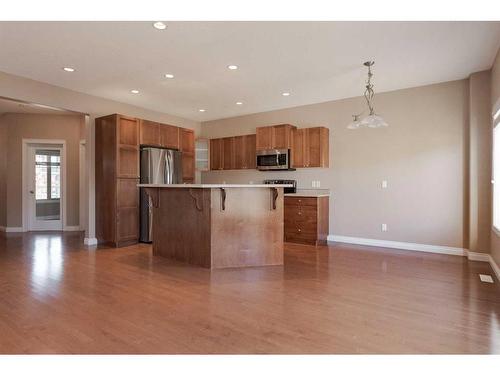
[495,267]
[72,228]
[90,241]
[480,257]
[399,245]
[11,229]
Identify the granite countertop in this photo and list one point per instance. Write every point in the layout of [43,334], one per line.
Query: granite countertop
[309,193]
[214,186]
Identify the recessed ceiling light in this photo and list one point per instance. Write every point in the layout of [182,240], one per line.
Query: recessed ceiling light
[68,69]
[232,67]
[239,103]
[286,94]
[202,110]
[134,91]
[169,76]
[159,25]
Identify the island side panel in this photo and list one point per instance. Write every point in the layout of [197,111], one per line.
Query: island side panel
[181,225]
[249,232]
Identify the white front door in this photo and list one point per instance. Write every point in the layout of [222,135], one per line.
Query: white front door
[45,187]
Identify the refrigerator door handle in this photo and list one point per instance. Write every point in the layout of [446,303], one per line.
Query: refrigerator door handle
[170,168]
[167,168]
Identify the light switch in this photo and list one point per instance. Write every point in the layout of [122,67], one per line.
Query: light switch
[384,184]
[318,184]
[384,227]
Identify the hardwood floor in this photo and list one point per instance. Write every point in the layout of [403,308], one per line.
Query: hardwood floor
[58,297]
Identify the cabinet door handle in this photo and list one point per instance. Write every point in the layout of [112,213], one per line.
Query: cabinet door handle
[300,213]
[274,197]
[299,230]
[223,198]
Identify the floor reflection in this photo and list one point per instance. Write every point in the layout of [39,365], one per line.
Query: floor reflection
[47,260]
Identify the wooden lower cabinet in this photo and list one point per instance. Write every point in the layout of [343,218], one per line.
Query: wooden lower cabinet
[306,219]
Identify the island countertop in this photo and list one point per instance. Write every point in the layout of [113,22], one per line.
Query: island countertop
[214,186]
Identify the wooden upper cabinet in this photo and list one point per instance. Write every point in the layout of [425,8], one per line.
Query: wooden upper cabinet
[239,152]
[233,152]
[170,136]
[250,156]
[264,138]
[187,147]
[149,133]
[298,148]
[310,148]
[274,137]
[244,152]
[216,154]
[228,157]
[187,140]
[127,158]
[283,136]
[128,131]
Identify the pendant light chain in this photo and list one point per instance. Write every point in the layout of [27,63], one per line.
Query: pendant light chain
[372,120]
[369,93]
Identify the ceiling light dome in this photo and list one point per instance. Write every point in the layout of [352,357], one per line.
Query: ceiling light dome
[68,69]
[232,67]
[159,25]
[168,75]
[373,121]
[134,91]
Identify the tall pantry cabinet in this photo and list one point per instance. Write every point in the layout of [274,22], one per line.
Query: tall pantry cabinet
[117,176]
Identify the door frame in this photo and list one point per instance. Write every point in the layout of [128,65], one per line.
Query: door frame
[82,186]
[27,142]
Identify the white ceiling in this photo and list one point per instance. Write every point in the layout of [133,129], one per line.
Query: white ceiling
[14,106]
[314,61]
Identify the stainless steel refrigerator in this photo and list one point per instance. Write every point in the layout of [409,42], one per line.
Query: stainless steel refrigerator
[158,166]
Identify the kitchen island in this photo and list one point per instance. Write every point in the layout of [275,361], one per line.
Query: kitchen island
[218,226]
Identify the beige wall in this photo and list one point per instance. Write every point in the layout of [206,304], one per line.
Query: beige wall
[479,162]
[495,97]
[21,88]
[3,171]
[36,126]
[422,155]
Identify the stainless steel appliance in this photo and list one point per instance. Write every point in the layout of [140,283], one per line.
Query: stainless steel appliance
[286,190]
[158,166]
[273,160]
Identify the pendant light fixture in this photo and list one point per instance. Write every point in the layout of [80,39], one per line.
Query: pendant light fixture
[372,120]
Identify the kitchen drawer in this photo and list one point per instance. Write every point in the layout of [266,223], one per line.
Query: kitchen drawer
[300,201]
[298,235]
[301,214]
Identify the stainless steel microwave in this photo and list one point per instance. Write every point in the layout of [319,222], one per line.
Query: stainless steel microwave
[273,160]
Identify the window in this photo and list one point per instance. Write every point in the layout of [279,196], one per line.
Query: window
[47,174]
[496,171]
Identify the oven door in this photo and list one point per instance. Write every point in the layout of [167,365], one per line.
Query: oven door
[269,160]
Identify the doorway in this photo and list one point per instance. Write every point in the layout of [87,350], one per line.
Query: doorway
[44,195]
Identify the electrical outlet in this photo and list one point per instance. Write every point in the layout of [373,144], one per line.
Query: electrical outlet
[313,183]
[318,184]
[384,184]
[384,227]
